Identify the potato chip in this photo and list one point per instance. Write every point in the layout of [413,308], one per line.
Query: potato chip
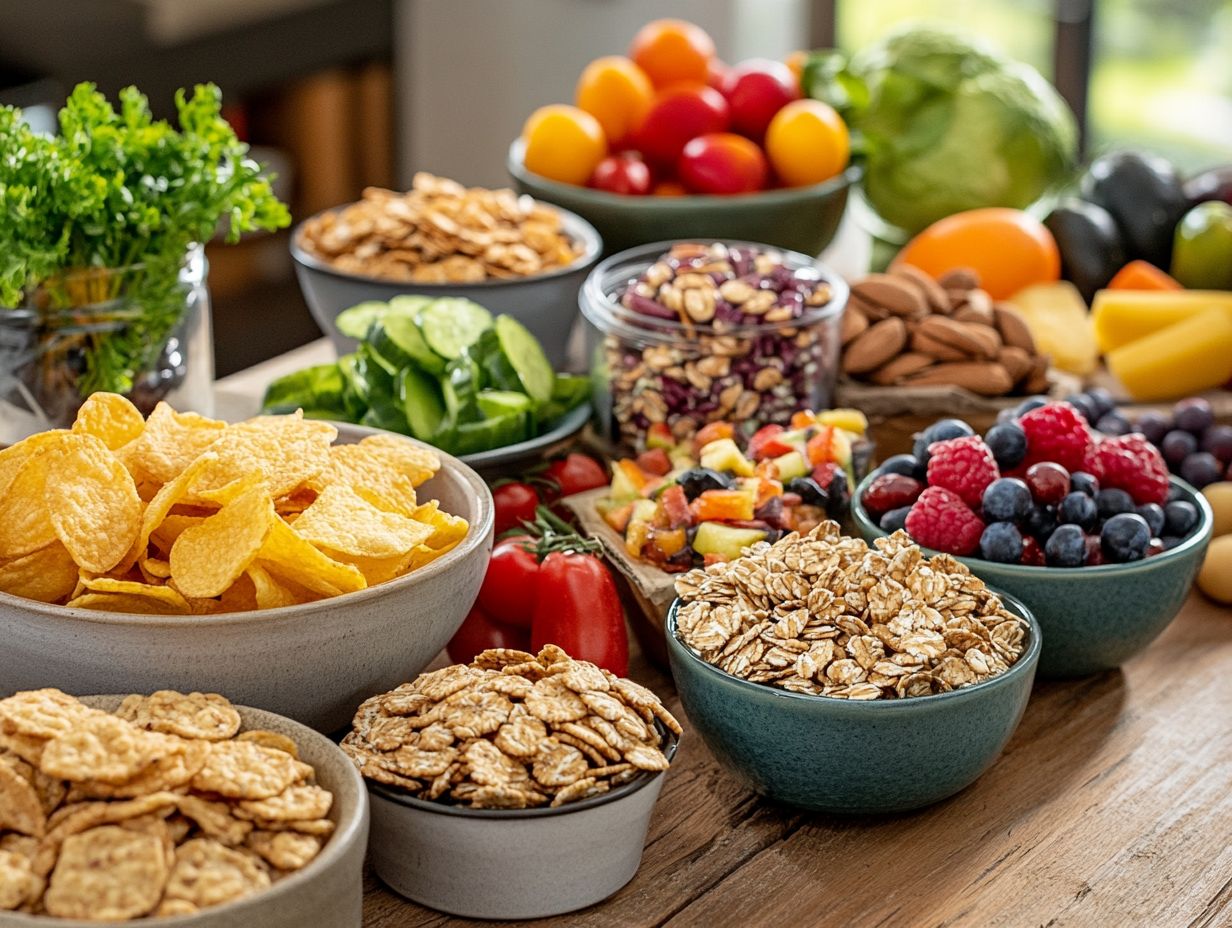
[208,558]
[14,456]
[343,521]
[122,602]
[107,874]
[92,501]
[172,527]
[47,575]
[287,451]
[373,469]
[448,530]
[419,464]
[25,524]
[241,596]
[381,569]
[156,512]
[286,554]
[270,593]
[168,596]
[154,569]
[111,418]
[169,443]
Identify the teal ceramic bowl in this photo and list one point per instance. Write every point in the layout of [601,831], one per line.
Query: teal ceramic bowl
[853,756]
[797,218]
[1093,618]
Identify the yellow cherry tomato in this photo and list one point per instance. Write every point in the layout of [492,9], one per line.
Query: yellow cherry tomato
[563,143]
[807,143]
[617,93]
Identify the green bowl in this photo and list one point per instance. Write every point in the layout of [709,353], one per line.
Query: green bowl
[846,755]
[1093,618]
[797,218]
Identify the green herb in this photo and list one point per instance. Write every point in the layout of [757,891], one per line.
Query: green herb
[120,190]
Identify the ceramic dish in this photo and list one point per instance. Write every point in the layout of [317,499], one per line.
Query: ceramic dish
[328,893]
[496,863]
[545,303]
[313,663]
[524,454]
[841,755]
[1093,618]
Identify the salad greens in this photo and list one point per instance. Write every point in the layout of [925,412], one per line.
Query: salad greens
[119,190]
[442,370]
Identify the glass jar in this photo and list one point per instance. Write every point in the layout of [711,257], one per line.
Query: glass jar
[651,364]
[126,330]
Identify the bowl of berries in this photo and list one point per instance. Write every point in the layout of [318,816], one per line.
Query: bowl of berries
[1089,530]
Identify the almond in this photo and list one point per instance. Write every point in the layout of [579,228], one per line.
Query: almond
[987,378]
[1016,361]
[854,322]
[898,369]
[1037,380]
[986,335]
[947,340]
[1013,328]
[959,278]
[976,307]
[873,312]
[895,296]
[875,346]
[934,294]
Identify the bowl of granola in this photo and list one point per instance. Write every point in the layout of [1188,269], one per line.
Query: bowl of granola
[516,786]
[511,254]
[832,676]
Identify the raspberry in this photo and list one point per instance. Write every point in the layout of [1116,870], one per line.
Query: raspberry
[1091,463]
[939,519]
[964,465]
[1058,433]
[1133,464]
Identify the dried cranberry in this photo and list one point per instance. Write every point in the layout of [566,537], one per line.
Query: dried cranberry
[1048,482]
[891,491]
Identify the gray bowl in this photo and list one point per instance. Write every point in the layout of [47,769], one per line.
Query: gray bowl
[853,756]
[314,663]
[546,303]
[328,893]
[496,863]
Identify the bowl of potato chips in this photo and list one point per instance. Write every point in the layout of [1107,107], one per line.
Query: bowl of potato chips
[297,565]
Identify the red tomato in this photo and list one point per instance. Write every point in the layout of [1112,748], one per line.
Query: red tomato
[624,173]
[677,115]
[515,504]
[508,591]
[654,461]
[576,473]
[578,609]
[478,633]
[765,443]
[755,90]
[722,162]
[716,73]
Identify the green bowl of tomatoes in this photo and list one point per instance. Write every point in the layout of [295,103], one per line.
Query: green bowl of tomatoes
[801,219]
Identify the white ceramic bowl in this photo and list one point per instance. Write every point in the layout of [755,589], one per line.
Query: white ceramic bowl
[314,663]
[328,893]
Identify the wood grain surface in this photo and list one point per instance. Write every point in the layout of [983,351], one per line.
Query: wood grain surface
[1110,808]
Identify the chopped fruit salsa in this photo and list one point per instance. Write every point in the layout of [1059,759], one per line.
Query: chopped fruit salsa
[704,499]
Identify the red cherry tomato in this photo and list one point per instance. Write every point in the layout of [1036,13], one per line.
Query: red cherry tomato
[515,504]
[478,633]
[624,174]
[508,591]
[578,609]
[677,115]
[576,473]
[755,90]
[722,162]
[716,73]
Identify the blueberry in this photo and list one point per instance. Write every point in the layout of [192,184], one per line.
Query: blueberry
[1031,402]
[1193,415]
[1082,482]
[1175,493]
[1125,537]
[1008,414]
[941,430]
[1114,423]
[1112,502]
[1180,518]
[1153,425]
[1102,400]
[1041,521]
[1008,443]
[1001,542]
[808,489]
[905,464]
[1077,509]
[1170,541]
[1066,547]
[1154,516]
[1176,446]
[1218,441]
[1082,403]
[1006,500]
[895,519]
[1201,469]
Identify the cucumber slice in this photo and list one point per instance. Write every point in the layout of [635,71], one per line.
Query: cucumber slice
[421,402]
[496,403]
[359,319]
[409,305]
[525,355]
[460,389]
[497,371]
[473,437]
[399,341]
[451,325]
[385,413]
[375,372]
[355,380]
[318,388]
[568,392]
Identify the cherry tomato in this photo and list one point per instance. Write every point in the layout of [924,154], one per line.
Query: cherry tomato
[617,93]
[671,51]
[680,114]
[578,609]
[563,143]
[755,90]
[669,188]
[1008,248]
[576,473]
[716,73]
[722,162]
[508,591]
[515,504]
[624,173]
[478,633]
[807,142]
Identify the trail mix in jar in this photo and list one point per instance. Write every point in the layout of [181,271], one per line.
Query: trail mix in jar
[749,341]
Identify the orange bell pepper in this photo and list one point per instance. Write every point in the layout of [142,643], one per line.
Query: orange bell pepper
[722,506]
[803,419]
[820,448]
[636,476]
[1142,275]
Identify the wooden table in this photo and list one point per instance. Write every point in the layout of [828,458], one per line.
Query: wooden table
[1110,808]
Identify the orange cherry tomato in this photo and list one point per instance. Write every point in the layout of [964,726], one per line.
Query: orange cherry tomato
[617,93]
[722,162]
[672,50]
[807,142]
[563,143]
[669,188]
[1008,248]
[795,63]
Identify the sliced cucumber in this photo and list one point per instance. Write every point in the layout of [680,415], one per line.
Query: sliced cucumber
[386,413]
[375,372]
[460,388]
[497,371]
[525,355]
[451,325]
[473,437]
[397,339]
[421,402]
[409,305]
[319,388]
[356,321]
[496,403]
[568,392]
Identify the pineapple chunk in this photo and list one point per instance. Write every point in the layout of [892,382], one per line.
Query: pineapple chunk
[724,540]
[1057,317]
[791,466]
[723,455]
[849,420]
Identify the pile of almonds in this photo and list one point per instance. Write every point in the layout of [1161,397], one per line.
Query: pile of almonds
[906,329]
